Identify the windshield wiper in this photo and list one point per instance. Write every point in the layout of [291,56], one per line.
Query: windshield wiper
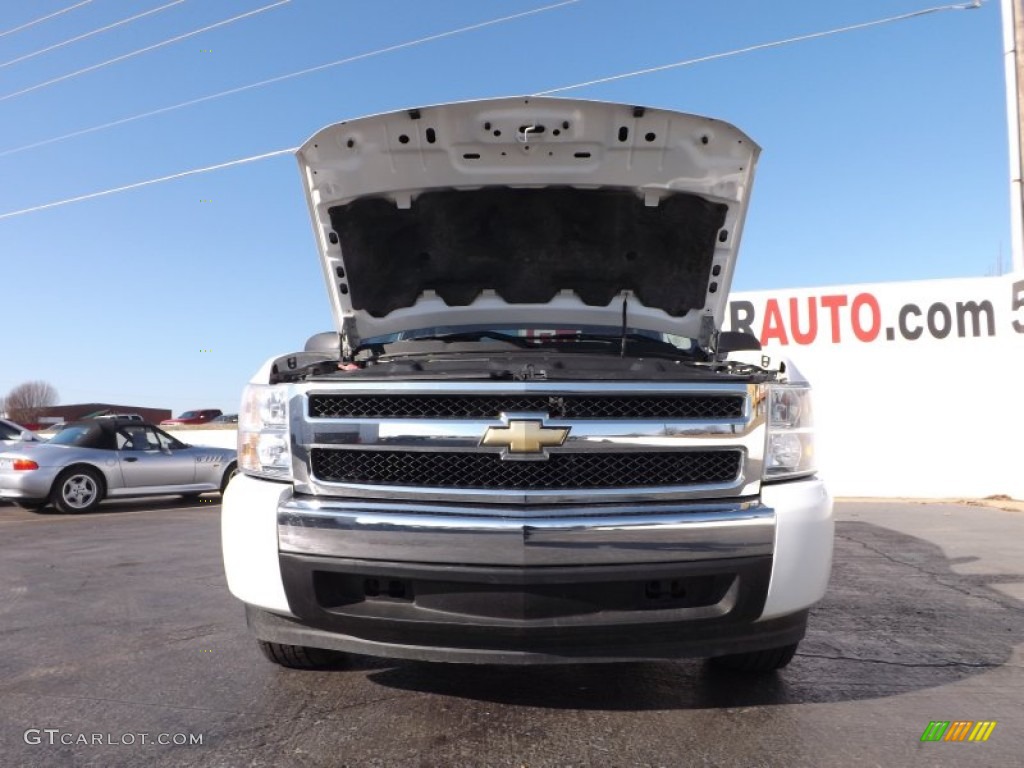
[378,350]
[519,341]
[627,342]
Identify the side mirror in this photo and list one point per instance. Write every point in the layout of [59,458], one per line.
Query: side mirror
[328,343]
[734,341]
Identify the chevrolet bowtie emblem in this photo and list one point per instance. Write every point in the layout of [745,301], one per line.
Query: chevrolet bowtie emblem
[525,436]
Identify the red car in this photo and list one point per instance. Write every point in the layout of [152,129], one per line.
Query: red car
[193,417]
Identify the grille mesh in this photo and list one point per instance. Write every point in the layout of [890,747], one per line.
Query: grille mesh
[562,470]
[557,406]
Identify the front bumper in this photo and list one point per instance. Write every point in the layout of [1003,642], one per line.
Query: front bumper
[558,648]
[527,536]
[461,583]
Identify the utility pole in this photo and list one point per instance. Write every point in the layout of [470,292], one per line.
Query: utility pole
[1013,47]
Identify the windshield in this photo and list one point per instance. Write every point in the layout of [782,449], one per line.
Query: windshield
[189,415]
[77,435]
[534,333]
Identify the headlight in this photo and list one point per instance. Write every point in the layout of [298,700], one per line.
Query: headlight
[789,448]
[263,447]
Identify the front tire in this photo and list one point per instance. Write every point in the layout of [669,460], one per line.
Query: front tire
[768,660]
[301,657]
[230,472]
[78,490]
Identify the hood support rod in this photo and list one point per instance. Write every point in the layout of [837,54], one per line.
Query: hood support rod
[622,338]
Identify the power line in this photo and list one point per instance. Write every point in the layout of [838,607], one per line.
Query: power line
[762,46]
[41,19]
[289,76]
[140,51]
[149,182]
[255,158]
[90,34]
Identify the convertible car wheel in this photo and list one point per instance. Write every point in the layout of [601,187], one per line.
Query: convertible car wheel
[78,490]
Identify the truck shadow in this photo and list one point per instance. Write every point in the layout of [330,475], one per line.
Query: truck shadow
[897,618]
[115,505]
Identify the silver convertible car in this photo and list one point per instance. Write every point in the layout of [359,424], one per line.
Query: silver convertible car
[89,461]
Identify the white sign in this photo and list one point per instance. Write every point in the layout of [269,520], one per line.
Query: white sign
[917,384]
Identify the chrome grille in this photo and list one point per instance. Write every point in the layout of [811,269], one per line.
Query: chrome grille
[460,406]
[461,469]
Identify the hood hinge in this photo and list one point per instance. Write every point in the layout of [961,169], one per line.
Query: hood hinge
[349,338]
[708,332]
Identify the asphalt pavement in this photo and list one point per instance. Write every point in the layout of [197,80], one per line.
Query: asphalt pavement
[117,631]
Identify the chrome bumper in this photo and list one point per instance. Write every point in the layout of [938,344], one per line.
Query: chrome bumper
[534,536]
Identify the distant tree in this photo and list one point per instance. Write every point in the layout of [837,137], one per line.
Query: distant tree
[26,401]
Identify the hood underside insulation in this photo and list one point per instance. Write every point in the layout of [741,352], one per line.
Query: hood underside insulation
[526,245]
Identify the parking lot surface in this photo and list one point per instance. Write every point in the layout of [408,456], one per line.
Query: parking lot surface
[117,631]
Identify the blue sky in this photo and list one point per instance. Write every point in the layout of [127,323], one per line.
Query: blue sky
[884,157]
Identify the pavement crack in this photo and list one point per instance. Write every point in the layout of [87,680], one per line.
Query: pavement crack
[889,662]
[939,578]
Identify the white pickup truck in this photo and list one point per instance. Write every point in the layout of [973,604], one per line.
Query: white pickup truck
[525,440]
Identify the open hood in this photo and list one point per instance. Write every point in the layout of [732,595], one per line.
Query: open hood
[528,210]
